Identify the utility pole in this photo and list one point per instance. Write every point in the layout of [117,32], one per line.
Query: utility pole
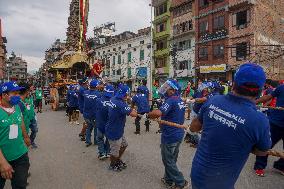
[174,59]
[150,66]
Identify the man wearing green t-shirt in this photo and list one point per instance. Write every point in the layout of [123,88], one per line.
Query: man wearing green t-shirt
[14,160]
[38,94]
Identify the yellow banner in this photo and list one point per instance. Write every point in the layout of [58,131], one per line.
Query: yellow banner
[213,69]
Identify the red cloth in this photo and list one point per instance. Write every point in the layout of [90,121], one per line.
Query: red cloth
[98,68]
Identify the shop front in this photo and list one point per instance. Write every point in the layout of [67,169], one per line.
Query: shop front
[213,72]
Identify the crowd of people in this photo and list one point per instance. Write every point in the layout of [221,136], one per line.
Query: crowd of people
[226,125]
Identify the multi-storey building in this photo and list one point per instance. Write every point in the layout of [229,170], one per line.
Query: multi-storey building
[3,53]
[256,30]
[126,57]
[212,22]
[183,40]
[16,68]
[161,39]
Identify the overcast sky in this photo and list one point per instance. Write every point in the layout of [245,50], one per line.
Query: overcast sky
[31,26]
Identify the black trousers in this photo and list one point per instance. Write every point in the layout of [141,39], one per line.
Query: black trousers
[20,176]
[137,124]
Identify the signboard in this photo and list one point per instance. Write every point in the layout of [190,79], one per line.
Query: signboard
[213,69]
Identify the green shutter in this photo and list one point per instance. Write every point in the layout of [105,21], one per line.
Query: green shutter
[113,60]
[129,57]
[129,72]
[119,59]
[141,55]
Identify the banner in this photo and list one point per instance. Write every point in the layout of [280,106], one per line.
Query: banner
[213,68]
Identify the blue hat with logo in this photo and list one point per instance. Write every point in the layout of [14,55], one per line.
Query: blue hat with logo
[10,87]
[122,91]
[94,83]
[109,91]
[250,73]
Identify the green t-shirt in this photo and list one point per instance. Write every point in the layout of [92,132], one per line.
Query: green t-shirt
[11,138]
[155,93]
[30,107]
[38,94]
[226,89]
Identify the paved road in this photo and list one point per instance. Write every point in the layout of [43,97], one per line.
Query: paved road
[63,162]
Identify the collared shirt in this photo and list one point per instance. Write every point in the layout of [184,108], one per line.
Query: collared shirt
[173,110]
[142,103]
[72,99]
[277,116]
[102,106]
[232,127]
[81,98]
[117,113]
[89,109]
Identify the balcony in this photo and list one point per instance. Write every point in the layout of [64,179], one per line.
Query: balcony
[161,71]
[160,35]
[235,4]
[218,34]
[163,52]
[162,17]
[185,73]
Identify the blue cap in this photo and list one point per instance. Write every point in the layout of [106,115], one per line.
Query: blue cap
[94,83]
[109,91]
[250,73]
[122,91]
[174,84]
[71,87]
[10,87]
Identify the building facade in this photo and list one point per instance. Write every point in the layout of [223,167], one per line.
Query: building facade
[3,53]
[161,39]
[257,34]
[16,68]
[183,40]
[212,23]
[126,57]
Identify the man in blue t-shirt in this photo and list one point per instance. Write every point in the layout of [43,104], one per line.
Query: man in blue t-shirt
[172,110]
[72,101]
[229,132]
[276,119]
[89,110]
[102,106]
[143,107]
[114,130]
[83,86]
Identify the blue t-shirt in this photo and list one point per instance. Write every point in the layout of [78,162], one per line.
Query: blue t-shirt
[72,99]
[81,98]
[142,103]
[173,110]
[232,127]
[145,90]
[102,106]
[196,105]
[277,116]
[89,107]
[117,113]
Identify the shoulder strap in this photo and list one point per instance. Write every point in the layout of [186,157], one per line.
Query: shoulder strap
[22,107]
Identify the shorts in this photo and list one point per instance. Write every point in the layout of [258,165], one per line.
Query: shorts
[115,146]
[38,102]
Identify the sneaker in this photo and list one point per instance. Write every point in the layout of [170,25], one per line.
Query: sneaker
[281,171]
[101,157]
[259,172]
[77,123]
[34,146]
[185,186]
[81,135]
[137,133]
[115,168]
[83,139]
[122,165]
[107,155]
[159,131]
[88,144]
[167,184]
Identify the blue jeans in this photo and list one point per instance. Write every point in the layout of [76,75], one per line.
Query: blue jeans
[103,144]
[169,156]
[91,126]
[34,130]
[277,134]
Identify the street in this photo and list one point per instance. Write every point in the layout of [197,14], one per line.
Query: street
[63,162]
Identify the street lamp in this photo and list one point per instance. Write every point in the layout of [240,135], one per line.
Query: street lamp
[8,71]
[149,75]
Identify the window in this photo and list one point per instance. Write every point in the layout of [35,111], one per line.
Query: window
[113,60]
[203,3]
[183,45]
[119,59]
[219,22]
[161,62]
[161,45]
[241,19]
[114,49]
[129,57]
[118,72]
[203,27]
[161,27]
[141,55]
[203,53]
[161,9]
[119,48]
[104,52]
[242,51]
[183,65]
[218,51]
[142,42]
[129,72]
[129,45]
[113,72]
